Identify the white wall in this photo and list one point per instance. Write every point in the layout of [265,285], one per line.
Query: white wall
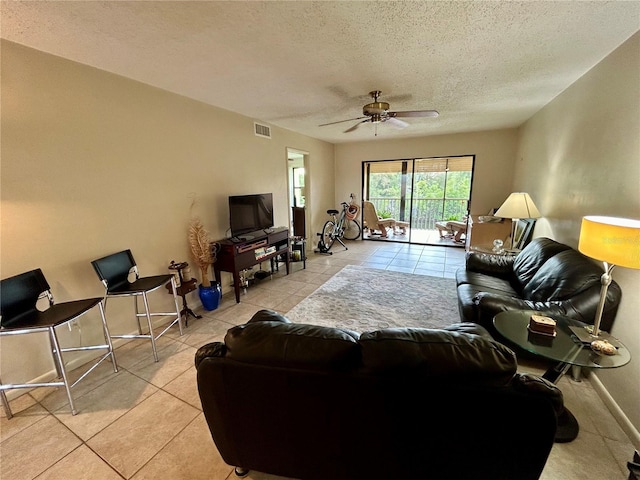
[94,163]
[579,156]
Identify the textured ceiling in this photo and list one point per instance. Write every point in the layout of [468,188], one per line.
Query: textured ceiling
[482,65]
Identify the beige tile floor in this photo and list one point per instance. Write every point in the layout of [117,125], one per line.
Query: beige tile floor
[146,422]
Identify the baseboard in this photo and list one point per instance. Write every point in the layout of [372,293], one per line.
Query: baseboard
[616,411]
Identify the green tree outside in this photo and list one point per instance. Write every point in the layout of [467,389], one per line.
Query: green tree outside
[428,195]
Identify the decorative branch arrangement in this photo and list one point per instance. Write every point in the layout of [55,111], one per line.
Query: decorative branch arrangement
[204,253]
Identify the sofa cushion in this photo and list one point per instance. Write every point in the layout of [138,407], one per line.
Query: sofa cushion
[275,343]
[563,276]
[533,256]
[449,353]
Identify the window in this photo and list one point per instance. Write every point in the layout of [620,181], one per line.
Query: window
[298,187]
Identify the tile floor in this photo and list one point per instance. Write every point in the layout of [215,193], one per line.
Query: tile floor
[425,237]
[145,422]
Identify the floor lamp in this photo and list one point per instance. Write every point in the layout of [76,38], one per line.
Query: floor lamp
[613,241]
[518,205]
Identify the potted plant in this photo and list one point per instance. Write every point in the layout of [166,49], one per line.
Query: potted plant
[204,255]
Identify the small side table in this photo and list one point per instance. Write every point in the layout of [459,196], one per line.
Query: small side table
[299,244]
[186,286]
[564,349]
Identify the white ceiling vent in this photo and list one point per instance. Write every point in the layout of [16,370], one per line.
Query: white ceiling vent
[260,130]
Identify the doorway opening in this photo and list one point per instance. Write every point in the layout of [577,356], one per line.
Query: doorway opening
[420,192]
[297,180]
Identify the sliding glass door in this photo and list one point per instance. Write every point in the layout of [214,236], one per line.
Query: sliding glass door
[388,187]
[420,191]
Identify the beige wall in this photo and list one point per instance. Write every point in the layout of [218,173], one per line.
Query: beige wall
[93,163]
[81,148]
[579,156]
[495,152]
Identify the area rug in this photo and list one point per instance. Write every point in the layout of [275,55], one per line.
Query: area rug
[366,299]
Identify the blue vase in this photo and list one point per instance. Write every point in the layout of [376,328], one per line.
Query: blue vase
[210,296]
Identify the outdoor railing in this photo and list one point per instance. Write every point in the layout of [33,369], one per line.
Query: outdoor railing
[426,211]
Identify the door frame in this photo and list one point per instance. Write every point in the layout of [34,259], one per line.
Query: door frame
[296,158]
[404,198]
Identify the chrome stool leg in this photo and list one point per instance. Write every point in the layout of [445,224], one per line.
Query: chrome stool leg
[151,334]
[5,403]
[61,368]
[107,336]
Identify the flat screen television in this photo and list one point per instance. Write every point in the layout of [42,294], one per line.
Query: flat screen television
[250,213]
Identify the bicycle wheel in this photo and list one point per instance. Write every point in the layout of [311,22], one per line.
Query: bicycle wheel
[352,229]
[327,236]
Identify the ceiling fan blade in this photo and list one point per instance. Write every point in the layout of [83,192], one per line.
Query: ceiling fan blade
[397,123]
[341,121]
[351,129]
[415,113]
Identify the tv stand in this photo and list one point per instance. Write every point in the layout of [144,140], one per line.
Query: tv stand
[234,256]
[242,239]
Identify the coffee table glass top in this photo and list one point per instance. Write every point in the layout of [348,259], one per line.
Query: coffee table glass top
[564,347]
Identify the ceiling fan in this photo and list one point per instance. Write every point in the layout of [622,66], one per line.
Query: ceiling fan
[378,112]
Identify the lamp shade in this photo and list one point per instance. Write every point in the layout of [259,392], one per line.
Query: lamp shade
[518,205]
[612,240]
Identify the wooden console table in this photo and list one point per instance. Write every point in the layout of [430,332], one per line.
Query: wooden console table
[233,257]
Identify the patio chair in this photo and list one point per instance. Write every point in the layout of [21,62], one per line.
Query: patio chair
[452,229]
[375,222]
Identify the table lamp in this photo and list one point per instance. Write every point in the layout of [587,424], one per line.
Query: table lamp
[518,205]
[613,241]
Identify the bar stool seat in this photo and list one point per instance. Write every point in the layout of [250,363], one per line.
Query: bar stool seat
[114,271]
[19,316]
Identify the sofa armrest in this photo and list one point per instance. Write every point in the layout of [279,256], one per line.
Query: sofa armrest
[495,265]
[215,349]
[537,386]
[584,305]
[499,303]
[267,315]
[469,327]
[488,305]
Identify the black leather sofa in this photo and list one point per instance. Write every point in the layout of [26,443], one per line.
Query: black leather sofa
[547,276]
[312,402]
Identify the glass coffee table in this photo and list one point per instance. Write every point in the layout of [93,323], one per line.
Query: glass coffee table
[564,349]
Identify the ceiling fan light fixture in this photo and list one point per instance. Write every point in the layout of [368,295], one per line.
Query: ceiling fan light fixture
[375,108]
[379,112]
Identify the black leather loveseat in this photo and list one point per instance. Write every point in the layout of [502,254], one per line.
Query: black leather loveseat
[313,402]
[547,276]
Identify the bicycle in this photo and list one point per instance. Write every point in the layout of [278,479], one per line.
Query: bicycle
[342,224]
